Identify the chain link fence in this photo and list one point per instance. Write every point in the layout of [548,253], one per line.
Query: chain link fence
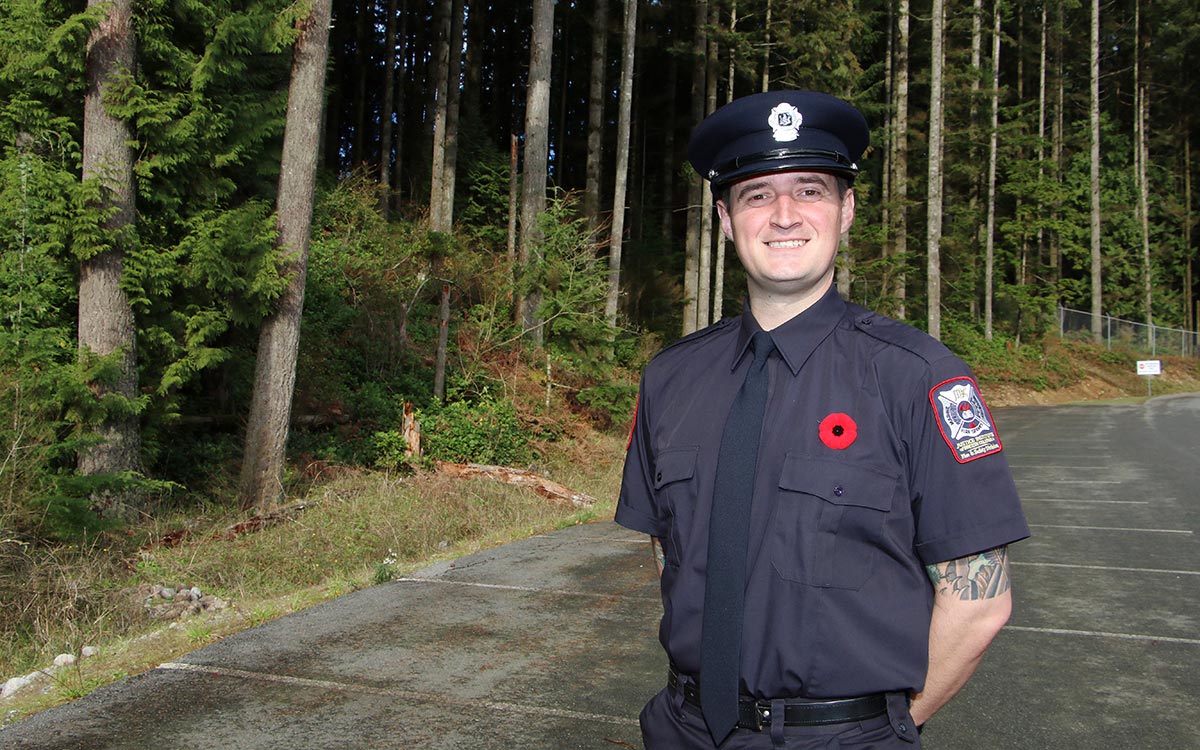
[1127,334]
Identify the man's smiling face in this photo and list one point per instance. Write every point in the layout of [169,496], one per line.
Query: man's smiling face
[786,228]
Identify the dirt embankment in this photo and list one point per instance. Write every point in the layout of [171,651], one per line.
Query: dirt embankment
[1101,381]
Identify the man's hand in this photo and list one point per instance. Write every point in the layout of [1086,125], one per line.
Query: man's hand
[971,603]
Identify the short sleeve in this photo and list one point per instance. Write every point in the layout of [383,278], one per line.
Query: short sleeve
[964,497]
[636,507]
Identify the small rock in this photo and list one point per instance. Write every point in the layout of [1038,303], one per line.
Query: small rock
[167,593]
[13,685]
[64,660]
[89,651]
[196,594]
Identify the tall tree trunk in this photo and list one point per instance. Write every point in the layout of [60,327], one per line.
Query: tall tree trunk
[364,30]
[1188,286]
[1041,149]
[718,296]
[766,60]
[1141,144]
[973,149]
[704,285]
[389,87]
[398,136]
[279,340]
[933,235]
[1094,118]
[624,120]
[439,362]
[595,126]
[899,163]
[1057,135]
[441,84]
[453,104]
[106,324]
[691,267]
[990,252]
[533,181]
[669,165]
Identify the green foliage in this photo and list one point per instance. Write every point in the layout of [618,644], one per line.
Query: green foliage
[574,284]
[485,432]
[1033,364]
[614,401]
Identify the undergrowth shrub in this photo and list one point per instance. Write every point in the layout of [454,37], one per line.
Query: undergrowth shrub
[1042,364]
[485,432]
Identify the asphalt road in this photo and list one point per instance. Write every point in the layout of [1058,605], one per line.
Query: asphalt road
[551,642]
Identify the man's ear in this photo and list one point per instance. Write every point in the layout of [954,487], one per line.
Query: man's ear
[847,210]
[726,224]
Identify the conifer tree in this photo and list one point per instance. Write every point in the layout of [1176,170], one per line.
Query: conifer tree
[106,322]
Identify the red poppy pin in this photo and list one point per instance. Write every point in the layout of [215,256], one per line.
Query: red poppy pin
[838,431]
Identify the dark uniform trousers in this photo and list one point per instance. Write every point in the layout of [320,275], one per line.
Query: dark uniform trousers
[668,723]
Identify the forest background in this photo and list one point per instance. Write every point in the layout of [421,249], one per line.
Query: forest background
[164,284]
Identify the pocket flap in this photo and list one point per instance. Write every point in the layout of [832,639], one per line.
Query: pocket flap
[840,482]
[674,465]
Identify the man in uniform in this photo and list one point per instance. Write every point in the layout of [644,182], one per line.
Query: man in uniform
[824,487]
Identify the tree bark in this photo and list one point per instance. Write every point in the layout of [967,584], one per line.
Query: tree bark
[899,165]
[595,127]
[933,235]
[1094,120]
[453,105]
[385,136]
[439,367]
[441,83]
[106,324]
[533,182]
[278,343]
[704,287]
[993,143]
[691,267]
[718,295]
[1142,145]
[1041,149]
[620,181]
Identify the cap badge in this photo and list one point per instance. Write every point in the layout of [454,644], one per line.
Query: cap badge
[785,121]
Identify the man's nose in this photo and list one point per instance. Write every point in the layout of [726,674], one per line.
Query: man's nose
[786,213]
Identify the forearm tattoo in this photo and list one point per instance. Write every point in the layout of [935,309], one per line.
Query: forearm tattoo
[981,576]
[660,554]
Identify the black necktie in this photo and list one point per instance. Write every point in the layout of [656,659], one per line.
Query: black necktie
[728,531]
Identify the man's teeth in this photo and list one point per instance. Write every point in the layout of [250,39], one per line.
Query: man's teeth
[785,244]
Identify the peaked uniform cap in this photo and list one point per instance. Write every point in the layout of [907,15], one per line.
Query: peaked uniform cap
[779,131]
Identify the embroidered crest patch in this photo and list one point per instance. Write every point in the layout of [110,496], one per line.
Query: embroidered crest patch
[964,419]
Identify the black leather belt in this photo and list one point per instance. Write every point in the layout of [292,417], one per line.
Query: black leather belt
[797,712]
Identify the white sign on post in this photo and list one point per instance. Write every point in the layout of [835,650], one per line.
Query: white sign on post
[1149,367]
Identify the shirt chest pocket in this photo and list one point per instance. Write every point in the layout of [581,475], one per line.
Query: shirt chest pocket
[828,522]
[675,486]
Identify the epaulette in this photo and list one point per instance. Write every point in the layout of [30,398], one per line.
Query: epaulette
[898,334]
[697,335]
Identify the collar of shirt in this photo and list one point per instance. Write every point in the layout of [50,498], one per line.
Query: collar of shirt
[799,337]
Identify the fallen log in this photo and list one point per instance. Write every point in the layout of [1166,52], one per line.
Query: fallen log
[521,478]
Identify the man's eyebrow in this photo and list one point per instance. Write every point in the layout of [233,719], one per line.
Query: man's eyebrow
[749,187]
[812,179]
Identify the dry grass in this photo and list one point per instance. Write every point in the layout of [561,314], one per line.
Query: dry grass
[357,529]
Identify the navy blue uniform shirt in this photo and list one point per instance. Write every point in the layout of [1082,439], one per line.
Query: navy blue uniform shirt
[878,457]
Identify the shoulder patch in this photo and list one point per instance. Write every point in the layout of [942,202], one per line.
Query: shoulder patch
[964,419]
